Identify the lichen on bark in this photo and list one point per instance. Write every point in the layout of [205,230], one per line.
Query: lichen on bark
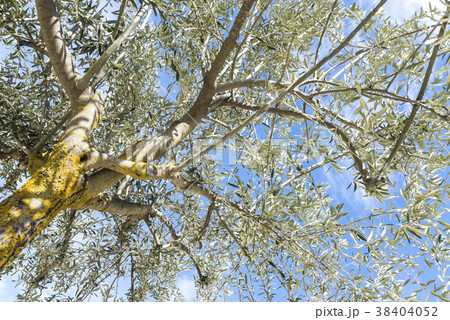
[31,208]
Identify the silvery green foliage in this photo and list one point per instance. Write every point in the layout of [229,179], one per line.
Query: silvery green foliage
[313,228]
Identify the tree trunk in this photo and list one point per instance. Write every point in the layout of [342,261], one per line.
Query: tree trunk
[51,187]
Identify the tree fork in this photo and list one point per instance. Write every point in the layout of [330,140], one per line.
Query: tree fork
[51,187]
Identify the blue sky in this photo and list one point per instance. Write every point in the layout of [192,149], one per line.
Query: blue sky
[357,202]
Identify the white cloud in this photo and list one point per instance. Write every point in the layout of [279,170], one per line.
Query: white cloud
[404,9]
[356,200]
[8,291]
[186,285]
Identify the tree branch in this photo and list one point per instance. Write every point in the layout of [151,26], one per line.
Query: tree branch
[125,227]
[61,183]
[155,148]
[308,98]
[123,6]
[38,47]
[49,135]
[421,93]
[288,56]
[324,30]
[233,236]
[137,170]
[239,54]
[213,197]
[250,83]
[8,153]
[207,221]
[101,74]
[385,94]
[64,246]
[359,163]
[113,204]
[57,50]
[343,44]
[312,168]
[279,98]
[155,237]
[228,45]
[109,204]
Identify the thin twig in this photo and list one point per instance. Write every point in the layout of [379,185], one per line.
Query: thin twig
[312,168]
[123,6]
[244,250]
[64,246]
[155,238]
[132,278]
[49,135]
[411,58]
[359,164]
[207,220]
[288,55]
[83,83]
[96,80]
[382,93]
[324,30]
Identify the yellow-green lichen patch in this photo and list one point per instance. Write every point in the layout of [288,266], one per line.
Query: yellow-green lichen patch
[38,215]
[34,203]
[37,161]
[16,212]
[31,208]
[98,119]
[23,215]
[140,169]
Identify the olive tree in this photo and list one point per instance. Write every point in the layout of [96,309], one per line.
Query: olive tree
[141,141]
